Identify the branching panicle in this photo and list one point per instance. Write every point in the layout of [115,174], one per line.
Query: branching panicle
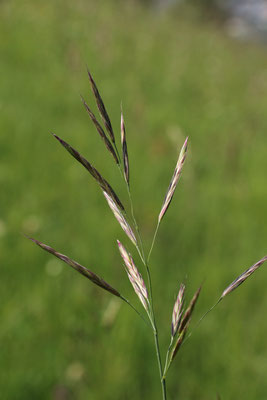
[180,318]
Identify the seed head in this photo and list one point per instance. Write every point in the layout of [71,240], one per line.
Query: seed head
[177,310]
[134,276]
[78,267]
[241,278]
[174,181]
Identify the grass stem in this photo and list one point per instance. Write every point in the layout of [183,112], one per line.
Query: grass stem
[153,241]
[151,313]
[201,319]
[133,307]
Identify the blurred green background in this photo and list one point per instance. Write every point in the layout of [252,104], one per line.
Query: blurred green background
[177,73]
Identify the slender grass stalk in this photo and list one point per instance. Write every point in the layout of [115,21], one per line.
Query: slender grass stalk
[201,319]
[153,241]
[134,308]
[167,359]
[155,331]
[152,313]
[145,263]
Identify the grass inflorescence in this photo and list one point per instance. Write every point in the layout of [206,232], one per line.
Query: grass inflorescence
[181,317]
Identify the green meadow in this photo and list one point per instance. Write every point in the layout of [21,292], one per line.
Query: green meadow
[176,73]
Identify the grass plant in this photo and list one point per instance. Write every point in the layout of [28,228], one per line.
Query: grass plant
[125,215]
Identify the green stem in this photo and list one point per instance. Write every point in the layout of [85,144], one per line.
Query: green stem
[166,367]
[151,313]
[155,331]
[163,386]
[201,319]
[162,378]
[153,241]
[133,307]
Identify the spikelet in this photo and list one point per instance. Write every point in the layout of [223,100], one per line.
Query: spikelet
[174,181]
[100,131]
[179,342]
[241,278]
[84,271]
[134,277]
[182,329]
[102,182]
[124,151]
[177,310]
[120,218]
[188,313]
[101,108]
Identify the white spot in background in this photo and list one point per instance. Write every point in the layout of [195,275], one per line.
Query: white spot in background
[31,224]
[75,371]
[111,312]
[53,267]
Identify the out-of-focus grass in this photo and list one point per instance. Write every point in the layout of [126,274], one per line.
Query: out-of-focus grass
[175,76]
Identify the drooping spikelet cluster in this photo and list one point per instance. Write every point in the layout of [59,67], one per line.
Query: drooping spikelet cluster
[113,200]
[107,135]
